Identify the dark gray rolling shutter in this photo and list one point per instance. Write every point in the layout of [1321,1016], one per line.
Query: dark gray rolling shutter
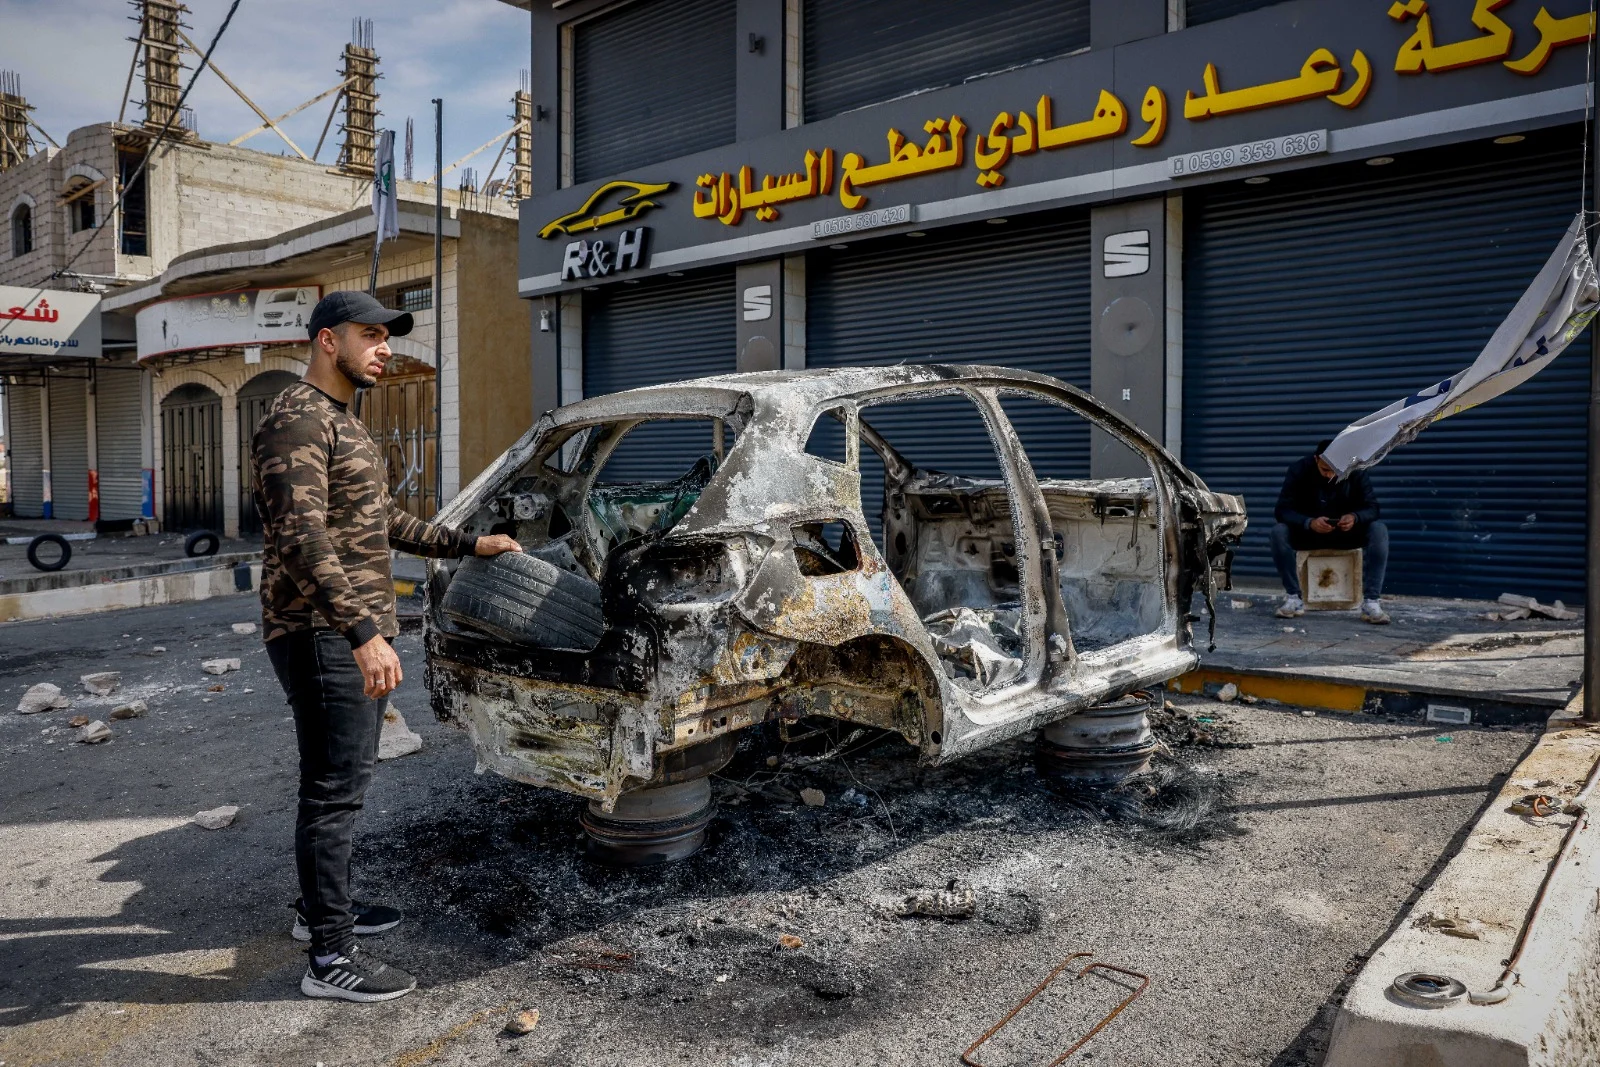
[118,440]
[26,452]
[1197,12]
[857,54]
[1015,295]
[1330,293]
[255,397]
[69,446]
[661,330]
[651,80]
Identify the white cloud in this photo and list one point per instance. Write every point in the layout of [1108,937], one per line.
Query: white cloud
[73,58]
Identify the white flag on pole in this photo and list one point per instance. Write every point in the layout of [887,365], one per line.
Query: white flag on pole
[1551,314]
[385,198]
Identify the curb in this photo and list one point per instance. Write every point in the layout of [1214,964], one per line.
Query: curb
[1453,708]
[171,588]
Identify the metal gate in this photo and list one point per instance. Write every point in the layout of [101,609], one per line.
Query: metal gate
[1326,294]
[119,439]
[255,397]
[398,412]
[191,458]
[661,330]
[25,431]
[652,80]
[69,443]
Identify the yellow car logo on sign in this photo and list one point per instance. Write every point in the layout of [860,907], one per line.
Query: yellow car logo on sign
[629,206]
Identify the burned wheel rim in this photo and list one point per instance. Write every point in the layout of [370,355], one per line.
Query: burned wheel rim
[1105,744]
[661,824]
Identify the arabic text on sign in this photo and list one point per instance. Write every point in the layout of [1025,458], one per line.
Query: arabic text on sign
[1421,52]
[1243,155]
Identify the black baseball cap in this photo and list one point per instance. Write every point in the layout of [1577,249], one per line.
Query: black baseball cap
[353,306]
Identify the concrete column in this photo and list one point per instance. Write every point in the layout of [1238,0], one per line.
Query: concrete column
[570,336]
[1127,341]
[1114,22]
[1173,436]
[760,314]
[759,40]
[545,66]
[794,313]
[230,463]
[546,354]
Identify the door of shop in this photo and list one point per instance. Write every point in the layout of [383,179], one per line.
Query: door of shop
[26,452]
[398,412]
[255,396]
[191,458]
[69,443]
[1327,294]
[119,440]
[661,330]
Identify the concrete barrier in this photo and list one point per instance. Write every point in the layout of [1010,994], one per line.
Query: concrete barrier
[170,588]
[1552,1016]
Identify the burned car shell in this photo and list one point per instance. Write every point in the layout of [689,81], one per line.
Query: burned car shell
[778,643]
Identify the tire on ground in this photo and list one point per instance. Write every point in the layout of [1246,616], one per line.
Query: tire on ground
[201,543]
[43,564]
[526,601]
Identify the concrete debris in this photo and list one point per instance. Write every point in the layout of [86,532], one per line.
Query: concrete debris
[1309,713]
[131,710]
[813,798]
[1452,926]
[397,739]
[216,818]
[851,798]
[522,1022]
[1246,698]
[93,733]
[1239,605]
[980,647]
[219,666]
[244,627]
[78,720]
[46,696]
[790,941]
[218,688]
[1524,606]
[950,903]
[1288,629]
[1228,693]
[101,684]
[158,648]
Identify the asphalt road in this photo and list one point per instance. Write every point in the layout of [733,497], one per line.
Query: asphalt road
[129,935]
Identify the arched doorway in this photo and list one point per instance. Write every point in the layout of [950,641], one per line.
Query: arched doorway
[255,397]
[398,412]
[191,457]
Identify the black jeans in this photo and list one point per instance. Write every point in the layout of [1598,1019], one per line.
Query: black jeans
[1373,542]
[337,726]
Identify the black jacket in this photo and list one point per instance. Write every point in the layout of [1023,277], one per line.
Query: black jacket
[1306,495]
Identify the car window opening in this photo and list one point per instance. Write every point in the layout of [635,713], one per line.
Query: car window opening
[825,548]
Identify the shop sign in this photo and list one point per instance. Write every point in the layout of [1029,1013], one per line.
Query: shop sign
[599,258]
[240,318]
[1249,153]
[1127,255]
[866,220]
[48,322]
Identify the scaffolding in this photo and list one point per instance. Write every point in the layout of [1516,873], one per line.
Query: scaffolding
[16,143]
[360,102]
[522,160]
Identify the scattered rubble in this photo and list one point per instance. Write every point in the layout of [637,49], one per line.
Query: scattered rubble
[1179,728]
[397,739]
[77,721]
[46,696]
[93,733]
[1228,693]
[216,818]
[1239,605]
[522,1022]
[219,666]
[1523,607]
[790,941]
[952,902]
[244,628]
[813,798]
[131,710]
[101,684]
[1452,926]
[158,648]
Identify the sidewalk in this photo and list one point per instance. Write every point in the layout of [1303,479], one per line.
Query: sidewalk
[105,552]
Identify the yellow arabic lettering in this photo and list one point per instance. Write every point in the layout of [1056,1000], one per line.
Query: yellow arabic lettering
[1358,89]
[1419,53]
[731,196]
[1553,33]
[1110,119]
[1154,111]
[992,152]
[945,150]
[1319,76]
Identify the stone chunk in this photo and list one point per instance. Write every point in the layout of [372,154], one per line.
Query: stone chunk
[397,739]
[216,818]
[522,1022]
[219,666]
[92,734]
[131,710]
[46,696]
[955,902]
[814,798]
[1228,693]
[101,684]
[244,628]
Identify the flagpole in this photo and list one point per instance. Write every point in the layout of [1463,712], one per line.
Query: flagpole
[438,301]
[1591,597]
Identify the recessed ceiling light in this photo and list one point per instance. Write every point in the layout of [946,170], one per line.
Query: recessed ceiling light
[1259,179]
[1510,138]
[590,288]
[838,248]
[996,222]
[916,233]
[674,273]
[1380,161]
[630,281]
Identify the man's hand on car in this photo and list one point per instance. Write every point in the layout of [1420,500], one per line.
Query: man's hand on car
[380,667]
[1347,522]
[494,544]
[1321,525]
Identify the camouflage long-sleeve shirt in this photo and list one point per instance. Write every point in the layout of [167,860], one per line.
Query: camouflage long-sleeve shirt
[328,521]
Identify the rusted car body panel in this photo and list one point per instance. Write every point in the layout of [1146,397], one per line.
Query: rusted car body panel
[719,622]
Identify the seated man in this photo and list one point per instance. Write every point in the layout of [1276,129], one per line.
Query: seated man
[1317,510]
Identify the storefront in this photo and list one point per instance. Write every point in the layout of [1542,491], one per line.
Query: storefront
[1241,233]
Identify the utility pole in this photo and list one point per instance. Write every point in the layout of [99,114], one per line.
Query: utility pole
[438,303]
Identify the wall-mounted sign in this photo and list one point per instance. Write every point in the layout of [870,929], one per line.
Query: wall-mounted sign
[48,322]
[225,320]
[1127,255]
[865,220]
[598,258]
[613,202]
[1290,146]
[758,303]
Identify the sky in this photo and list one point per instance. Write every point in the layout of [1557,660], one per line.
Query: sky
[73,58]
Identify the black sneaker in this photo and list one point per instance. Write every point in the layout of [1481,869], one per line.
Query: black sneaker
[370,919]
[356,976]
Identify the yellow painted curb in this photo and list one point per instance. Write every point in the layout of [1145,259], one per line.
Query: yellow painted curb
[1301,692]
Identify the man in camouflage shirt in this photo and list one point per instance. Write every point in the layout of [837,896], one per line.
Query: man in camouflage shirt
[328,611]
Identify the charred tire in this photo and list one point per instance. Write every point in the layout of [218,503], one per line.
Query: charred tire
[525,601]
[49,564]
[201,543]
[660,824]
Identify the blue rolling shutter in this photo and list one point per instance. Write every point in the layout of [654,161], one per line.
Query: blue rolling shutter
[1329,293]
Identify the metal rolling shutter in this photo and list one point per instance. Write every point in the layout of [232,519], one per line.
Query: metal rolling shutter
[661,330]
[857,54]
[652,80]
[1329,293]
[69,446]
[26,450]
[119,440]
[1197,12]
